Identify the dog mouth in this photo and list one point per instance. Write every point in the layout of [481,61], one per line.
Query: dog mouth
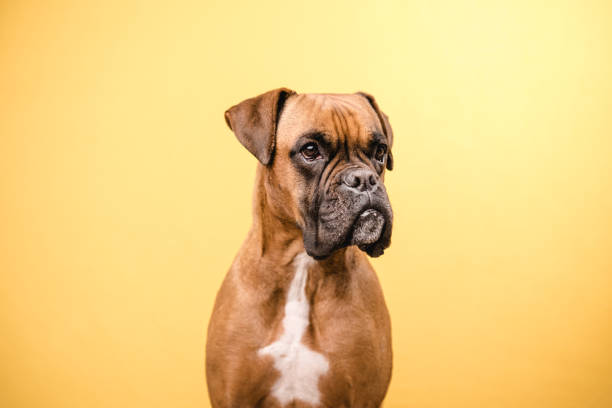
[367,229]
[347,219]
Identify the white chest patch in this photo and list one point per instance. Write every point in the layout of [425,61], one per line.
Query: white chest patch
[299,366]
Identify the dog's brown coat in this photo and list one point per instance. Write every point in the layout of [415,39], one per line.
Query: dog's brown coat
[349,322]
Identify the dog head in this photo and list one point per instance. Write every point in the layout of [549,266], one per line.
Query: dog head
[323,158]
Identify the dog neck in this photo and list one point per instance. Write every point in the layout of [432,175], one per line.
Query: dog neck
[275,240]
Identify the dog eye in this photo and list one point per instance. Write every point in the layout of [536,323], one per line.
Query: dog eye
[310,151]
[380,152]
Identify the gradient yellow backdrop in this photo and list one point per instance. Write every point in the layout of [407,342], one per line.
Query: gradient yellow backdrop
[124,197]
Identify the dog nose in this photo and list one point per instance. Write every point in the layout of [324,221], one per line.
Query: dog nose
[361,179]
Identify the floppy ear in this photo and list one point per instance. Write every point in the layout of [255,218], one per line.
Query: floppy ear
[384,121]
[254,122]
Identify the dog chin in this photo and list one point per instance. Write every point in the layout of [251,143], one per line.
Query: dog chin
[368,228]
[370,232]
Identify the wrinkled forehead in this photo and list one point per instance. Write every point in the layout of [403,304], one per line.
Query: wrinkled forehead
[343,117]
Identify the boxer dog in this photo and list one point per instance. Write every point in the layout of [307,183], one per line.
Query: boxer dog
[300,319]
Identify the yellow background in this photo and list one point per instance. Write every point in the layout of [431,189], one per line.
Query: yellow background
[124,197]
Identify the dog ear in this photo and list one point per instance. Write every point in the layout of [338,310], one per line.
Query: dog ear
[384,121]
[254,122]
